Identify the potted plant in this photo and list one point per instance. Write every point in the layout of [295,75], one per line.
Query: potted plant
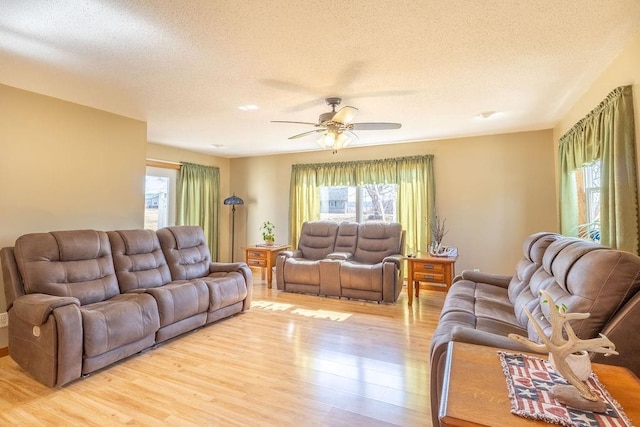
[268,235]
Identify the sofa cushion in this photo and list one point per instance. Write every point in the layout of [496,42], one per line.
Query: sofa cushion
[377,240]
[180,300]
[317,239]
[520,294]
[121,320]
[488,304]
[302,271]
[67,263]
[363,277]
[586,278]
[347,237]
[225,289]
[138,259]
[185,249]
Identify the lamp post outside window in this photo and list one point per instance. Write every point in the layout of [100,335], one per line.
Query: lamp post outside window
[233,201]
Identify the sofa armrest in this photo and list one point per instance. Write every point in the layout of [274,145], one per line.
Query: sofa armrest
[478,277]
[46,337]
[396,259]
[35,309]
[240,267]
[474,336]
[340,256]
[225,267]
[290,254]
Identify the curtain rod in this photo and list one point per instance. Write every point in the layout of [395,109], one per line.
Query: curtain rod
[163,164]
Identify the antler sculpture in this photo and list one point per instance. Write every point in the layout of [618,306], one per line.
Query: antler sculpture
[561,347]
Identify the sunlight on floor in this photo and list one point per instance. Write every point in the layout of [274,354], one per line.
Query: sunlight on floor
[316,314]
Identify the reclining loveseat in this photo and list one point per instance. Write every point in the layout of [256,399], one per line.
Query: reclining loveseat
[349,259]
[81,300]
[580,275]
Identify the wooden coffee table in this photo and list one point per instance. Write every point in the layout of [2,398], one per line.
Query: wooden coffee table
[474,391]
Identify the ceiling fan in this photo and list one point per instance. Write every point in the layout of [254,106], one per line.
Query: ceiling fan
[336,127]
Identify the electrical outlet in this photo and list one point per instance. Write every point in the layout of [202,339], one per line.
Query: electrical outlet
[4,320]
[476,269]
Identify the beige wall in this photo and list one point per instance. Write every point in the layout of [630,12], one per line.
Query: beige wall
[493,190]
[65,166]
[623,71]
[172,154]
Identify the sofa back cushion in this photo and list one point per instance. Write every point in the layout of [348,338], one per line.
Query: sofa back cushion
[377,240]
[317,239]
[584,277]
[186,251]
[74,263]
[519,291]
[347,237]
[138,259]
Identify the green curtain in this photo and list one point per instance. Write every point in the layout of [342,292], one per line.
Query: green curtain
[198,201]
[416,201]
[606,133]
[416,191]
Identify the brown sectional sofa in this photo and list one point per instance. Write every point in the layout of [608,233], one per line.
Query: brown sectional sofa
[586,277]
[349,259]
[81,300]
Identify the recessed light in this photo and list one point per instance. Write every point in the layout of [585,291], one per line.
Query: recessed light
[217,146]
[248,107]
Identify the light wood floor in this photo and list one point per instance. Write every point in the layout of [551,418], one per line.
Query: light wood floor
[292,360]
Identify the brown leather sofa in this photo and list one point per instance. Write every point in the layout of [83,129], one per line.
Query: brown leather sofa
[81,300]
[350,259]
[584,276]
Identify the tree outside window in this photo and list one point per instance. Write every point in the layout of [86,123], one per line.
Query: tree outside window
[588,186]
[371,202]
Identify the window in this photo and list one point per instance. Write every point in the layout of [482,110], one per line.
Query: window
[588,185]
[160,198]
[373,202]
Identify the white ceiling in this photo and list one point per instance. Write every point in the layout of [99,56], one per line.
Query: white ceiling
[185,67]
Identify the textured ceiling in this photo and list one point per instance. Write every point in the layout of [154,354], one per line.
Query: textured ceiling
[185,67]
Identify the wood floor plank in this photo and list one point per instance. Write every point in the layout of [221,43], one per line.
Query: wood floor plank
[291,360]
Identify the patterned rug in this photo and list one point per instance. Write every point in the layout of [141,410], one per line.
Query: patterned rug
[529,381]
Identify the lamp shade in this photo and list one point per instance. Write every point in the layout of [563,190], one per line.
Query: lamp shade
[233,200]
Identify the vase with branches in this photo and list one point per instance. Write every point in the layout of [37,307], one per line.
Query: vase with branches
[437,225]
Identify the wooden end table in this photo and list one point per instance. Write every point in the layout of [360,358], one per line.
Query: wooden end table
[264,257]
[474,391]
[436,271]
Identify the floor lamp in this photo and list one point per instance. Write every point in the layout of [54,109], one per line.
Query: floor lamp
[233,201]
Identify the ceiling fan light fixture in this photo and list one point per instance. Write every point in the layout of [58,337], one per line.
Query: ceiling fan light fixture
[342,141]
[334,140]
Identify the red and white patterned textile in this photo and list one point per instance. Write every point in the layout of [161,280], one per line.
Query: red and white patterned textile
[529,382]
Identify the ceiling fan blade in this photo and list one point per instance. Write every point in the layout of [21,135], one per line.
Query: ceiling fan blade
[345,115]
[352,135]
[300,135]
[375,126]
[298,123]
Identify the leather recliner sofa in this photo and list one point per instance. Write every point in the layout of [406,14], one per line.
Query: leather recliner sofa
[81,300]
[584,276]
[350,259]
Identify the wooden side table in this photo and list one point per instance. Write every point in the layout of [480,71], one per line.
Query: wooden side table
[437,272]
[264,257]
[474,391]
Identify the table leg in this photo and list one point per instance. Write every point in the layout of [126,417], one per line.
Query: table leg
[269,276]
[417,289]
[410,291]
[410,282]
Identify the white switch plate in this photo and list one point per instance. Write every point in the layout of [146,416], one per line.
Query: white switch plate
[4,320]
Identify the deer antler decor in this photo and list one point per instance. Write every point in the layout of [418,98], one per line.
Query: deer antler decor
[560,348]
